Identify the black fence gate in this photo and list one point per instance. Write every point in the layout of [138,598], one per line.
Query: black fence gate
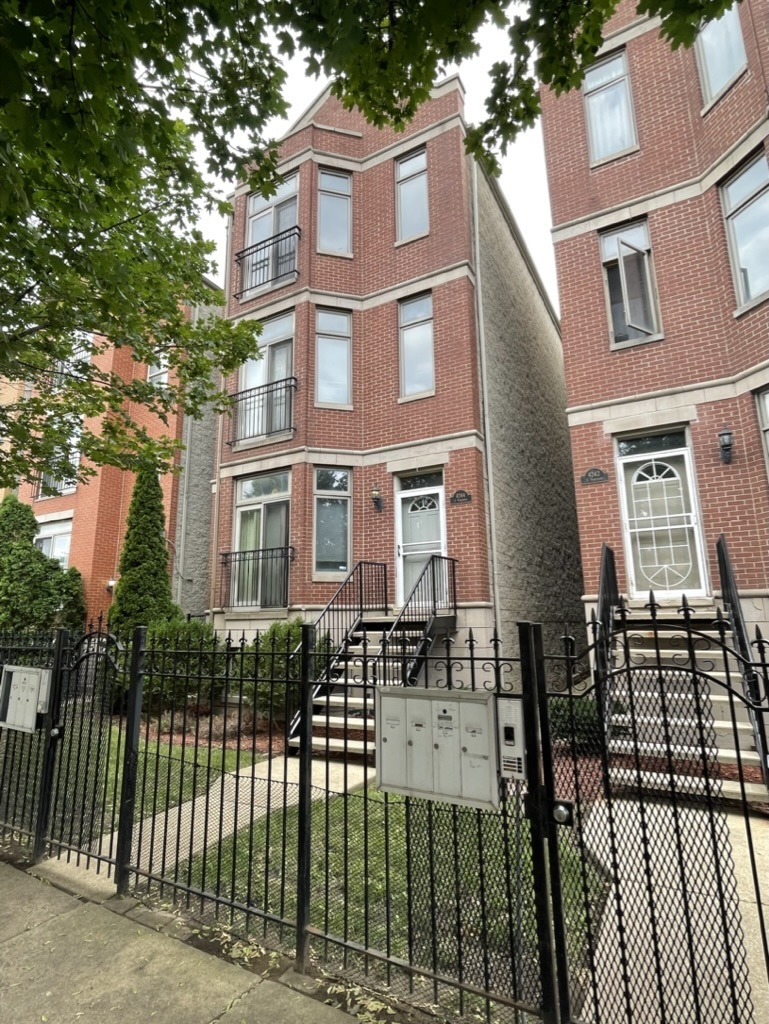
[619,884]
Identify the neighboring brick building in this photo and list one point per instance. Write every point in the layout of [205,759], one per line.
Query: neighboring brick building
[410,396]
[84,524]
[660,198]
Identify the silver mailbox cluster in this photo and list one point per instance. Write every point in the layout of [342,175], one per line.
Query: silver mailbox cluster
[443,744]
[24,694]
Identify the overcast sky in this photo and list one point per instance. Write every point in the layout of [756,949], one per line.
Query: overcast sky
[523,178]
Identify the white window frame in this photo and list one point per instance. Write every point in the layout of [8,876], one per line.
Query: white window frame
[402,178]
[336,193]
[320,336]
[257,208]
[51,530]
[277,331]
[731,215]
[729,22]
[609,259]
[345,496]
[588,92]
[762,400]
[157,373]
[403,330]
[69,485]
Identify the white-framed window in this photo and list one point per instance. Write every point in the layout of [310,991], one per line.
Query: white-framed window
[54,538]
[263,405]
[73,365]
[259,564]
[609,109]
[61,479]
[720,53]
[157,373]
[271,244]
[629,283]
[417,364]
[746,208]
[333,496]
[334,211]
[333,358]
[763,419]
[412,212]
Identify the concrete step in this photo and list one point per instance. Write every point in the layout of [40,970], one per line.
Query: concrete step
[342,722]
[342,745]
[674,724]
[341,700]
[658,782]
[679,750]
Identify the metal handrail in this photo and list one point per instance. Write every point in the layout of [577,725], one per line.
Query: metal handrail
[365,589]
[435,590]
[733,609]
[267,261]
[261,575]
[259,412]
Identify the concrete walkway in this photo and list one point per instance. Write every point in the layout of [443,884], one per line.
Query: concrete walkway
[63,960]
[677,963]
[230,804]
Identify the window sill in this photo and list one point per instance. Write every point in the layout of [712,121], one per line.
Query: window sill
[329,577]
[746,308]
[594,164]
[330,252]
[411,238]
[724,90]
[260,442]
[265,289]
[334,405]
[52,497]
[416,398]
[619,346]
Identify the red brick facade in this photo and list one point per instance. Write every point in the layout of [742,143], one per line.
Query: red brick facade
[710,357]
[382,437]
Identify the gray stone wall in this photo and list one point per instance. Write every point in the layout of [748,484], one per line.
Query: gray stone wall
[536,558]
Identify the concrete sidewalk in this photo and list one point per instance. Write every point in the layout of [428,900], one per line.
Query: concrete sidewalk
[66,960]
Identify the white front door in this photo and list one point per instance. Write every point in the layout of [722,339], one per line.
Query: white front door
[663,542]
[421,533]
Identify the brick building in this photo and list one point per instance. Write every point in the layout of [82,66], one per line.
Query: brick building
[83,525]
[660,198]
[409,401]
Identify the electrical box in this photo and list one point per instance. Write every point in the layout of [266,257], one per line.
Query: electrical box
[24,694]
[438,744]
[512,761]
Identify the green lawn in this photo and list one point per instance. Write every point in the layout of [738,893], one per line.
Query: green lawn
[169,774]
[447,888]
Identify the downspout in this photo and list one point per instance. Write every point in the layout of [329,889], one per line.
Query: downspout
[485,400]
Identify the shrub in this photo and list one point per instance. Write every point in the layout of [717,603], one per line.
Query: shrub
[73,609]
[143,591]
[29,581]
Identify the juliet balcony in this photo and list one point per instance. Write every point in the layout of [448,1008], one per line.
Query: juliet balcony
[255,579]
[260,412]
[269,263]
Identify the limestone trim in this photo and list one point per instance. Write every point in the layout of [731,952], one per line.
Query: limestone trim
[671,403]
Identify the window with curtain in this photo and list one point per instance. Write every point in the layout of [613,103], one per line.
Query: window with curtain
[610,123]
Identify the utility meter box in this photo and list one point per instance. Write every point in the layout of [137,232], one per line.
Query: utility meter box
[24,694]
[438,744]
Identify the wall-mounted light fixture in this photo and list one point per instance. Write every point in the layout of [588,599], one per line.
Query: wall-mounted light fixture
[110,586]
[377,499]
[725,444]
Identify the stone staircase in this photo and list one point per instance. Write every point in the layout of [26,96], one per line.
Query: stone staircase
[698,726]
[343,708]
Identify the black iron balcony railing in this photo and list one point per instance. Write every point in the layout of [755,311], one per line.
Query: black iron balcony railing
[262,411]
[255,579]
[266,262]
